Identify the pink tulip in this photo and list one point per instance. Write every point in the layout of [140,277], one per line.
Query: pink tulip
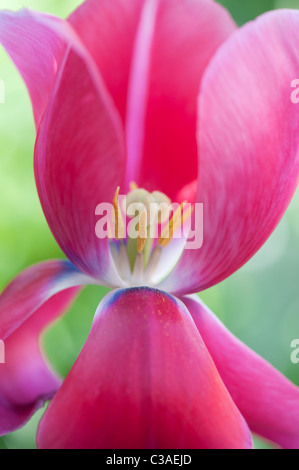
[172,95]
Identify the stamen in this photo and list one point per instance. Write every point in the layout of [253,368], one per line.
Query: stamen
[109,231]
[187,213]
[137,258]
[133,186]
[119,225]
[173,225]
[142,231]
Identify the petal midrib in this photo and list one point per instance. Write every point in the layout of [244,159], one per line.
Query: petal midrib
[138,89]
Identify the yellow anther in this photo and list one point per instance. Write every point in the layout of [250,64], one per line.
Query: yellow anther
[119,225]
[141,252]
[133,186]
[187,213]
[142,232]
[171,227]
[109,231]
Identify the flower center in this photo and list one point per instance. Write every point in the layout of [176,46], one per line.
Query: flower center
[142,226]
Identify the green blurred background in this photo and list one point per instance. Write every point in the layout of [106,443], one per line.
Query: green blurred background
[259,303]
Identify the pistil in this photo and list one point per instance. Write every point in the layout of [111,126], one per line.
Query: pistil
[138,254]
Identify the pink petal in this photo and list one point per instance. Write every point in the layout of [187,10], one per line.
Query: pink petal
[80,153]
[184,36]
[26,380]
[160,50]
[34,286]
[108,29]
[248,140]
[27,306]
[36,51]
[143,380]
[79,160]
[267,400]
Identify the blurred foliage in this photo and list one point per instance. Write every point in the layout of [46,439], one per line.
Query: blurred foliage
[245,11]
[259,303]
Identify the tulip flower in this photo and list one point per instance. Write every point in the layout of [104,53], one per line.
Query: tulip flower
[155,100]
